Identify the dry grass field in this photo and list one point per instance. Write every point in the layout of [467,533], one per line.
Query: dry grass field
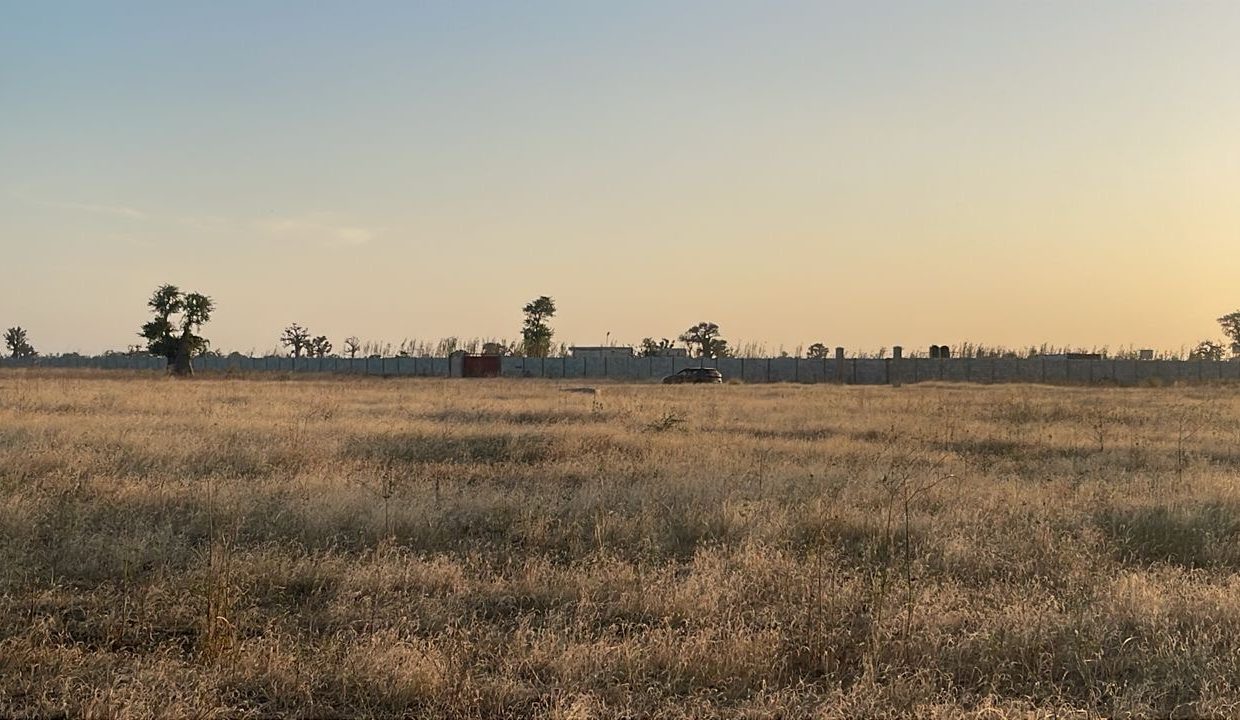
[488,549]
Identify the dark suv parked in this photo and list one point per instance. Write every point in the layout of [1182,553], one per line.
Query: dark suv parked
[694,375]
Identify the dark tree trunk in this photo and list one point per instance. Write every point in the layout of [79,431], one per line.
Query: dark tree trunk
[182,363]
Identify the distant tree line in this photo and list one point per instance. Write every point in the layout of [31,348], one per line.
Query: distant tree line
[174,333]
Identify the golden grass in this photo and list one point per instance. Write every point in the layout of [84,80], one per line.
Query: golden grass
[485,549]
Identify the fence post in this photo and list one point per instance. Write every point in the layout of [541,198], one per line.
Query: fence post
[893,373]
[839,365]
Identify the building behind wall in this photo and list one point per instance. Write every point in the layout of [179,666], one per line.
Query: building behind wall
[601,351]
[1071,356]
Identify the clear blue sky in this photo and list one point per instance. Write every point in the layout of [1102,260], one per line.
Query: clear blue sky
[864,174]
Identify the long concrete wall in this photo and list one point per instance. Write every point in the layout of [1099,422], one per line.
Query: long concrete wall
[853,371]
[423,367]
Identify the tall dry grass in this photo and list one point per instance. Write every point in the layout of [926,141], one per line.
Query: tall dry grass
[484,549]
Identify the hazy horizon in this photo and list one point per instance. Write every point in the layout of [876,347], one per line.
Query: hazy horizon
[864,175]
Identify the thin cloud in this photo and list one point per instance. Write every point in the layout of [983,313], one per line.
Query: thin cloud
[123,211]
[322,228]
[131,240]
[354,235]
[203,222]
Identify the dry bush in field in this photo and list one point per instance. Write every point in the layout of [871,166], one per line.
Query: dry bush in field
[429,548]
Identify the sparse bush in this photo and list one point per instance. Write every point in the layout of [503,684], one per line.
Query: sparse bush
[319,347]
[1207,350]
[655,348]
[818,351]
[668,421]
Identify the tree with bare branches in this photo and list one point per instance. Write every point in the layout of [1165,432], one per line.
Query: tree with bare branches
[296,338]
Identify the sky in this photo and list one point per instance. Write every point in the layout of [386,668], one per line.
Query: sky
[862,174]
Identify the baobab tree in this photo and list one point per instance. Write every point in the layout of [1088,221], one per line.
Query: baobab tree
[173,332]
[1231,328]
[295,338]
[705,337]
